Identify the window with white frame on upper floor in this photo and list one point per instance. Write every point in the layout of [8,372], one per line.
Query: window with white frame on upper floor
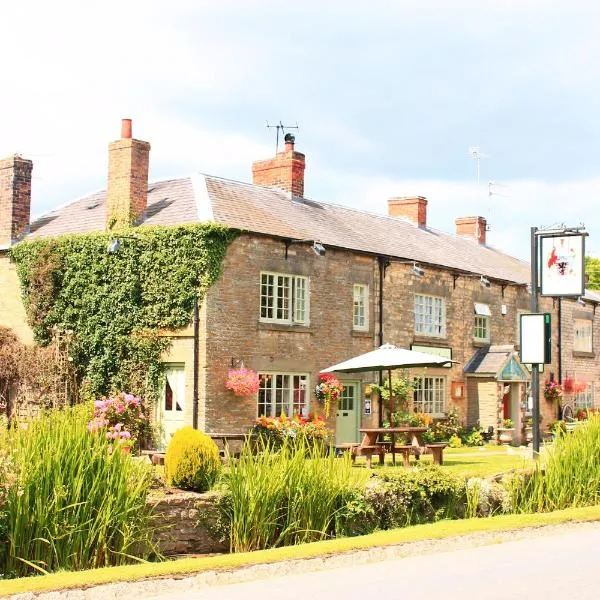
[585,398]
[361,306]
[284,298]
[430,395]
[430,316]
[481,329]
[283,393]
[582,335]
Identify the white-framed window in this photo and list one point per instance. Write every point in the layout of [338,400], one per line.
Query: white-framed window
[585,399]
[283,393]
[430,316]
[284,298]
[582,335]
[481,329]
[430,395]
[360,294]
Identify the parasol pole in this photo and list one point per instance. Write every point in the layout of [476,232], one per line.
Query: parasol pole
[391,399]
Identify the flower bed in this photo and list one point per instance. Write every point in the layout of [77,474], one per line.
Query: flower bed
[279,429]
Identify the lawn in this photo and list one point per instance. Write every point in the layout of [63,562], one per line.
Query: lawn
[484,461]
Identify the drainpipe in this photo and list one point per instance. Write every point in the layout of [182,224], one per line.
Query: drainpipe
[196,353]
[559,340]
[383,264]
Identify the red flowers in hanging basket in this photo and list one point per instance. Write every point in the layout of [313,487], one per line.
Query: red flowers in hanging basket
[574,386]
[242,382]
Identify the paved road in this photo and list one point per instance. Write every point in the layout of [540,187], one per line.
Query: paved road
[550,568]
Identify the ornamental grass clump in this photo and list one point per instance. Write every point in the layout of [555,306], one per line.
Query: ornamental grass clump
[569,475]
[71,504]
[287,495]
[192,460]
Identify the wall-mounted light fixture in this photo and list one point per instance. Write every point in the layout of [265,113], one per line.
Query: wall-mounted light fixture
[417,270]
[317,247]
[485,282]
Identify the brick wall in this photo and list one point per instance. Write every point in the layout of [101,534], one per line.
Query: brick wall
[581,365]
[15,198]
[234,330]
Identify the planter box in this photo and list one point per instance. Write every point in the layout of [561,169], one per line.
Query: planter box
[505,435]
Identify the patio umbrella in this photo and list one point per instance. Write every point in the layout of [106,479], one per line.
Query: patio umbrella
[388,357]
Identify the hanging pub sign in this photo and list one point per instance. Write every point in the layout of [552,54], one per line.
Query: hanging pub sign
[562,268]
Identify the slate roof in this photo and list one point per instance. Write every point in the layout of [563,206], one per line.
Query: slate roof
[489,360]
[273,212]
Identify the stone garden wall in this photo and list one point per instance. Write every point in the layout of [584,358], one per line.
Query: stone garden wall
[176,518]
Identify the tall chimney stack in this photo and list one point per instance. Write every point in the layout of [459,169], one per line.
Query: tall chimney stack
[127,195]
[15,199]
[285,171]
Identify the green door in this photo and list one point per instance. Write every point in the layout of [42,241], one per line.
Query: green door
[346,422]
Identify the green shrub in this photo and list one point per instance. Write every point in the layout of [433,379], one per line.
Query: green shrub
[287,495]
[192,460]
[410,497]
[568,477]
[473,438]
[70,504]
[455,441]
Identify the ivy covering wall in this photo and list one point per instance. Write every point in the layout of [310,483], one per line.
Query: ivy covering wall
[120,306]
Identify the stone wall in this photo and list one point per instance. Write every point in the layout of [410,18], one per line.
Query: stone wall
[176,517]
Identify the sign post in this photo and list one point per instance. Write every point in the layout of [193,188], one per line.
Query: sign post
[561,262]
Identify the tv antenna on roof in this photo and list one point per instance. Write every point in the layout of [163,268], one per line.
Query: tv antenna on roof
[476,154]
[281,127]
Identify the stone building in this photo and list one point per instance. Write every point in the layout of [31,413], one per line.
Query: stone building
[308,284]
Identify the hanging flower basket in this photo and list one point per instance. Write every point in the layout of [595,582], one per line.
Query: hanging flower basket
[552,391]
[242,382]
[328,390]
[573,386]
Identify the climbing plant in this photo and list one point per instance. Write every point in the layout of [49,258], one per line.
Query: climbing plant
[120,306]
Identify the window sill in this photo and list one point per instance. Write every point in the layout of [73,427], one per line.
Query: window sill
[284,327]
[480,343]
[580,354]
[361,333]
[427,339]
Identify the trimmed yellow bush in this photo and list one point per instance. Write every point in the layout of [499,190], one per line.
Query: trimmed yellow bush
[192,460]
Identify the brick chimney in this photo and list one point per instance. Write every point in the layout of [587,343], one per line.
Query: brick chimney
[413,208]
[285,171]
[472,227]
[127,195]
[15,198]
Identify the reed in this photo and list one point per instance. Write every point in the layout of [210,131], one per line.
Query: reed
[284,496]
[73,504]
[569,476]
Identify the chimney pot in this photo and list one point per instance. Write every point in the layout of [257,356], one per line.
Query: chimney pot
[125,129]
[413,208]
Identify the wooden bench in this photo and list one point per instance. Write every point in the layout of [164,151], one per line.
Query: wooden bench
[406,452]
[368,451]
[343,448]
[437,450]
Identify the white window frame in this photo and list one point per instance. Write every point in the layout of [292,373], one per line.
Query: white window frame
[430,395]
[438,321]
[583,335]
[585,399]
[295,306]
[360,299]
[481,323]
[290,405]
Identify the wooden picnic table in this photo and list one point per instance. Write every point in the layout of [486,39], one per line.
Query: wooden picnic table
[225,438]
[370,444]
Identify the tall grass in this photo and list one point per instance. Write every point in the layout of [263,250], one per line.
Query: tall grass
[568,477]
[285,496]
[72,505]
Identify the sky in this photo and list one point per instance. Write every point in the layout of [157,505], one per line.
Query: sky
[389,97]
